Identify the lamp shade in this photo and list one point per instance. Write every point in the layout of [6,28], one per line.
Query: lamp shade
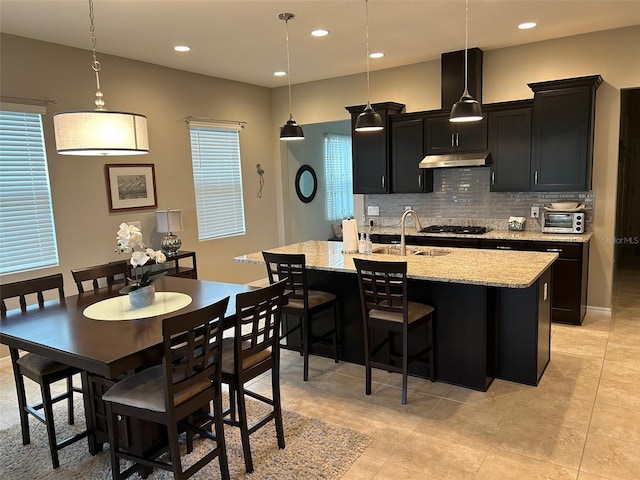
[467,109]
[169,221]
[369,121]
[100,133]
[291,131]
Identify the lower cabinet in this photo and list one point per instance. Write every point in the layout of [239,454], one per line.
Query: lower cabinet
[569,284]
[569,275]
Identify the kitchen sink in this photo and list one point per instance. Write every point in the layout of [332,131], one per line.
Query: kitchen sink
[395,250]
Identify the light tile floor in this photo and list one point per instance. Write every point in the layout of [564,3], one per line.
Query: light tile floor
[582,422]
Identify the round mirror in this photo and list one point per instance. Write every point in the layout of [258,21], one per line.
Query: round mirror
[306,183]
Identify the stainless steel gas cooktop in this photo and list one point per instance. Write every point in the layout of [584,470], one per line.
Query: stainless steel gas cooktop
[459,229]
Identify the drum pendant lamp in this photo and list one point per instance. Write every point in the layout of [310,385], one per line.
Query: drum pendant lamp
[100,132]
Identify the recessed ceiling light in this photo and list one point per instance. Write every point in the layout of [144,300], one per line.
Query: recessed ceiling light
[376,55]
[182,48]
[320,33]
[280,73]
[527,25]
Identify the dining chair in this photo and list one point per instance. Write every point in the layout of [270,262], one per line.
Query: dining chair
[385,306]
[114,273]
[39,369]
[254,350]
[302,303]
[176,394]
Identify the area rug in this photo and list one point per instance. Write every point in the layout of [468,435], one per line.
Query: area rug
[314,450]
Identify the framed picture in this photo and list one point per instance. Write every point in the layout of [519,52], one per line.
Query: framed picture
[131,186]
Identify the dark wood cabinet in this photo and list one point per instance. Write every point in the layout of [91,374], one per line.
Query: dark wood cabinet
[442,136]
[371,151]
[562,134]
[510,147]
[569,275]
[407,150]
[569,285]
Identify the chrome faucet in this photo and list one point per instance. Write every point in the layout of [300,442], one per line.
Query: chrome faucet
[403,245]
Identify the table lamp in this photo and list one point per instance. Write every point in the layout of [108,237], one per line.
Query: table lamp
[169,221]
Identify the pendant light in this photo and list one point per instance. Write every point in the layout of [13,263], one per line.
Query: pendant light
[467,109]
[368,120]
[290,130]
[100,132]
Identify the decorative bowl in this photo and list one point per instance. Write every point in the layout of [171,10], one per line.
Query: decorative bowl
[564,205]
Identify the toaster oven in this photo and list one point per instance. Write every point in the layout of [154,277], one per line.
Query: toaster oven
[563,222]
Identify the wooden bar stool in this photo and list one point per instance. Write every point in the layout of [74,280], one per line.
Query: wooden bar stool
[302,302]
[386,307]
[41,370]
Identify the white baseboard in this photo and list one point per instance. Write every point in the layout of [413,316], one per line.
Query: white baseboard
[599,310]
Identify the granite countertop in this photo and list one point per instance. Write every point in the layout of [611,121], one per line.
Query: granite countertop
[532,235]
[494,268]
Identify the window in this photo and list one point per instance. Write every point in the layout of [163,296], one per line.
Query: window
[27,229]
[217,177]
[338,176]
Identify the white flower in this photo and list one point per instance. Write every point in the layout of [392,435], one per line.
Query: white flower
[130,240]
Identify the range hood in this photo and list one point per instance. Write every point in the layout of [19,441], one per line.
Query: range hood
[452,85]
[475,159]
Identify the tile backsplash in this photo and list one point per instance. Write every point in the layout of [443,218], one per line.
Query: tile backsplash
[463,196]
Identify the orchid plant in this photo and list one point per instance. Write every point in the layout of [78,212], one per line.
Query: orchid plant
[130,240]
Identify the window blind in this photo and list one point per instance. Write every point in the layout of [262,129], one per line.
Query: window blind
[27,229]
[217,176]
[338,176]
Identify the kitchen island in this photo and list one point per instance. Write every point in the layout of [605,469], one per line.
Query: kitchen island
[492,308]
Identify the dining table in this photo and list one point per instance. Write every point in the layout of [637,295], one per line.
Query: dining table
[101,334]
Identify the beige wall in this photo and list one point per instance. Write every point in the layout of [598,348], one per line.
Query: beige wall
[85,229]
[613,54]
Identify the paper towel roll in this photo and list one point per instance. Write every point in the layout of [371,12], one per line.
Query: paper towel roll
[349,236]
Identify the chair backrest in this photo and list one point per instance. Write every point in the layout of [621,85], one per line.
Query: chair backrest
[193,355]
[291,268]
[258,326]
[383,286]
[113,273]
[35,286]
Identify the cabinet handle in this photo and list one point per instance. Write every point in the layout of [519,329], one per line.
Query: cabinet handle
[457,140]
[503,247]
[535,178]
[558,250]
[493,178]
[419,180]
[453,140]
[382,178]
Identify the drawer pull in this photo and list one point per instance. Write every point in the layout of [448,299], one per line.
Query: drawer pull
[419,180]
[558,250]
[382,181]
[503,247]
[453,140]
[493,178]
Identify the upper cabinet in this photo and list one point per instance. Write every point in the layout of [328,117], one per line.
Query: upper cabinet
[510,146]
[371,151]
[562,134]
[407,150]
[443,136]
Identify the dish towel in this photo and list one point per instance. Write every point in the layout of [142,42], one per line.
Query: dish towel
[349,236]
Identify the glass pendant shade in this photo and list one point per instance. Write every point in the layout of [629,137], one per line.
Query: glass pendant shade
[291,131]
[369,121]
[467,109]
[100,133]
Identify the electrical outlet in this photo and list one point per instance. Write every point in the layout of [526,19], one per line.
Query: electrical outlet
[535,212]
[373,210]
[407,207]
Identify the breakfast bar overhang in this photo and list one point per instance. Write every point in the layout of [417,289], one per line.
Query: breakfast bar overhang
[492,308]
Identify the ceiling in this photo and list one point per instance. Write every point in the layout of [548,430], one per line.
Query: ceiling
[244,40]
